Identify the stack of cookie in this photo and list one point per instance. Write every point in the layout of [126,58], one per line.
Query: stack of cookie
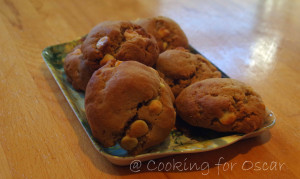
[109,40]
[134,73]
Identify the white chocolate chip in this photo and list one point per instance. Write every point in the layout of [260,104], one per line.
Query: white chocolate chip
[128,142]
[165,45]
[77,51]
[106,58]
[102,41]
[138,128]
[118,63]
[228,118]
[130,34]
[163,32]
[155,106]
[161,85]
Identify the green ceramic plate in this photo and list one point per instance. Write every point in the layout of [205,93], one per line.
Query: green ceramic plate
[178,142]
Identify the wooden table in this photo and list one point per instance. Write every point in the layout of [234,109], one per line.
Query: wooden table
[257,42]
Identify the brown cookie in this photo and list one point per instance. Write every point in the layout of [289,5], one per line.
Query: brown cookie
[221,104]
[167,32]
[121,39]
[129,103]
[77,71]
[180,69]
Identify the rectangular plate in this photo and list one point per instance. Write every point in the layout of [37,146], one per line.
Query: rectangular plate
[177,142]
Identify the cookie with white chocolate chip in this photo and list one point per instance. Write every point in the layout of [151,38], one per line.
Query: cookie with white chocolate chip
[180,68]
[128,103]
[77,71]
[121,40]
[221,104]
[166,31]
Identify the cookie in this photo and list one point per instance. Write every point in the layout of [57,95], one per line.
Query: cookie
[167,32]
[128,103]
[221,104]
[180,68]
[77,71]
[121,40]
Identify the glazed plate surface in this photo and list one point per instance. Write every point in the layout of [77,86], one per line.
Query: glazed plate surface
[178,142]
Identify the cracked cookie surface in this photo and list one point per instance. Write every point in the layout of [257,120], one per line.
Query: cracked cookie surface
[128,103]
[121,39]
[77,70]
[221,104]
[167,32]
[180,68]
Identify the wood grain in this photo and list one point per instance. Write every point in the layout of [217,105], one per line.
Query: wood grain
[257,42]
